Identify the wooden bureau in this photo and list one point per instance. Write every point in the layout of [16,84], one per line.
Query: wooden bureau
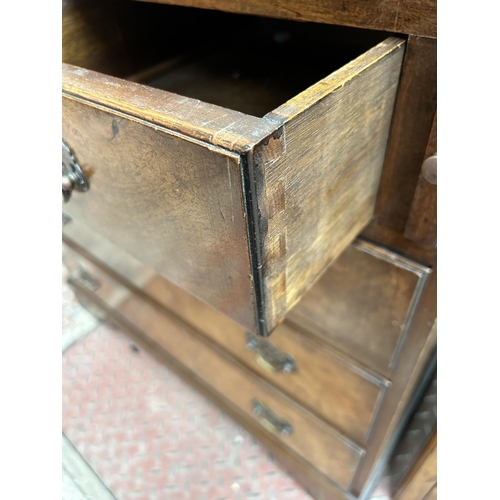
[231,177]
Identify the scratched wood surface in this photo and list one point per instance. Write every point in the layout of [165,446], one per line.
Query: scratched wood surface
[173,203]
[239,133]
[222,127]
[317,177]
[411,17]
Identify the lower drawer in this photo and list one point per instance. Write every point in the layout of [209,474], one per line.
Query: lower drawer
[292,426]
[340,392]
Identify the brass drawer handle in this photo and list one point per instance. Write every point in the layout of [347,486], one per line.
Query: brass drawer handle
[269,357]
[73,177]
[87,279]
[270,420]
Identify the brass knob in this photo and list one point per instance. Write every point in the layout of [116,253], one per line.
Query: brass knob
[429,169]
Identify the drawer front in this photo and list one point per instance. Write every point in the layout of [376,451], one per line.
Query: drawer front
[363,305]
[243,212]
[339,392]
[173,203]
[290,424]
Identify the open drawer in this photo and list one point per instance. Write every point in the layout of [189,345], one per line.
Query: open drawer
[242,160]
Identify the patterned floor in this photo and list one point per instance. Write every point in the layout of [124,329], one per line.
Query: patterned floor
[146,433]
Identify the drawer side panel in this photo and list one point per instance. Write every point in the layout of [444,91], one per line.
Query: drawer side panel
[319,179]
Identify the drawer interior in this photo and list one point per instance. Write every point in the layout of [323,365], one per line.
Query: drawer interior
[245,63]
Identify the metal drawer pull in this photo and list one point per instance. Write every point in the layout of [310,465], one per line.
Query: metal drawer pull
[268,355]
[270,420]
[73,177]
[88,280]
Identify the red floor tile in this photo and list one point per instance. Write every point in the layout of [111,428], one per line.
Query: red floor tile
[149,435]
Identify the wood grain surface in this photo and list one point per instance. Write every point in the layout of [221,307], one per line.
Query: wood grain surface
[315,163]
[121,38]
[412,17]
[317,177]
[222,127]
[172,202]
[413,117]
[322,447]
[288,181]
[393,239]
[341,394]
[360,307]
[98,250]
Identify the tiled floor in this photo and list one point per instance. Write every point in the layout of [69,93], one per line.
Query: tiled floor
[145,433]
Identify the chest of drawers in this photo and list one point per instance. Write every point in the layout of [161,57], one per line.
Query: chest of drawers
[230,160]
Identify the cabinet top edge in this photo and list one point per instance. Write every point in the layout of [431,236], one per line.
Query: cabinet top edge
[413,17]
